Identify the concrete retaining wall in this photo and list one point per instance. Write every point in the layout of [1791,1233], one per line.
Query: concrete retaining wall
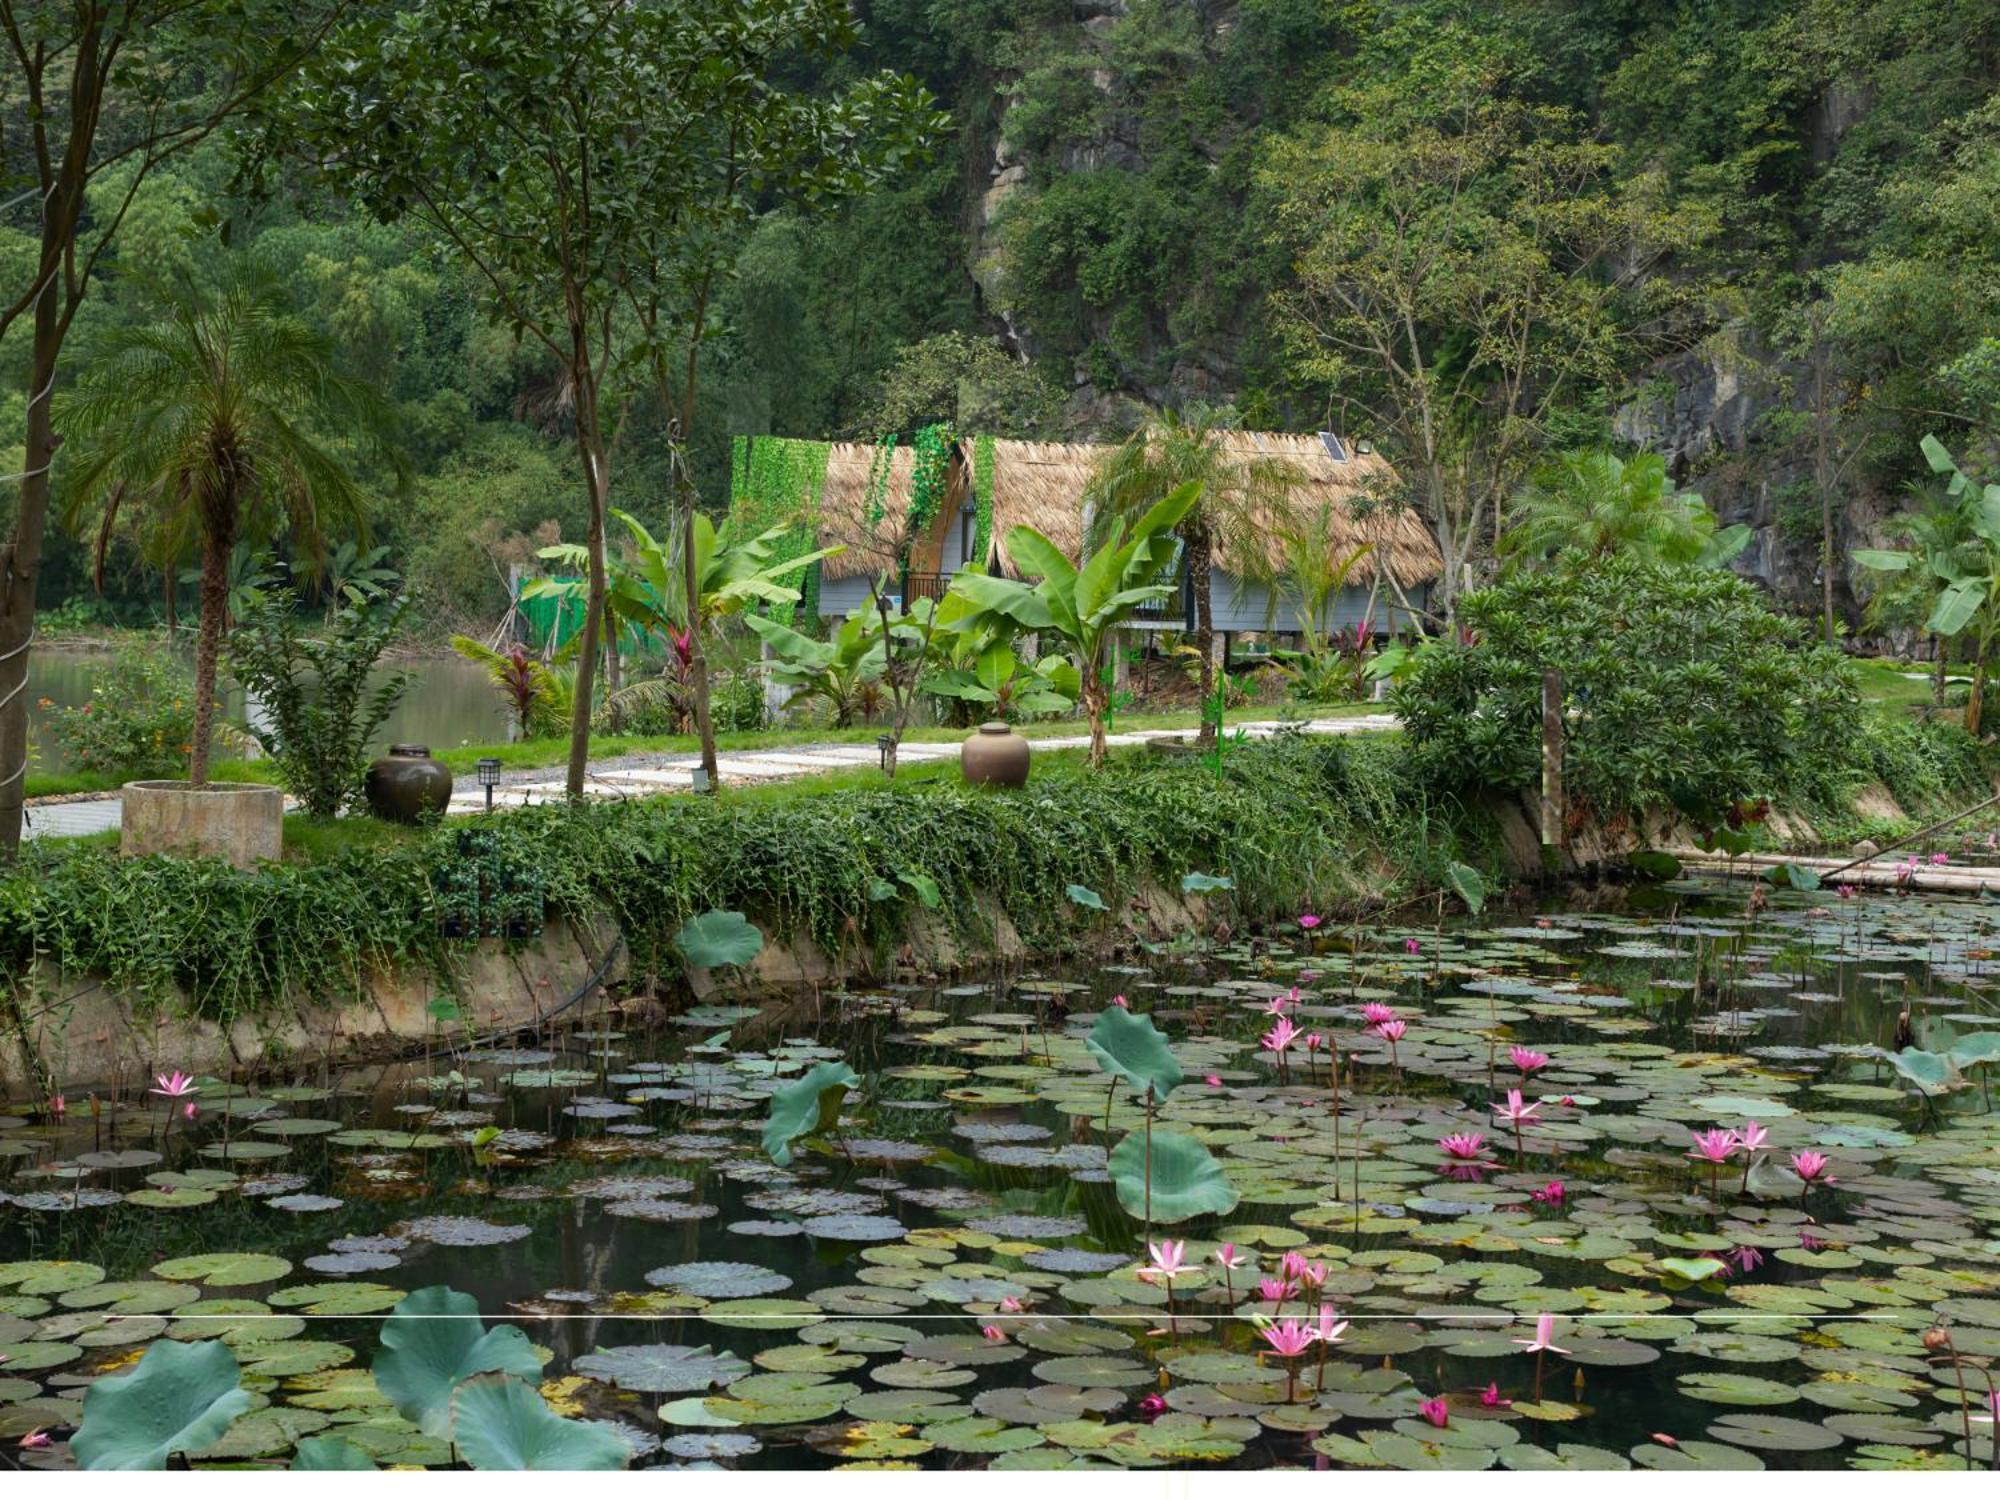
[77,1033]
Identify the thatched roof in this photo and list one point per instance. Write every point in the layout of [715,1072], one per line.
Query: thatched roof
[1355,493]
[843,510]
[1043,484]
[1040,485]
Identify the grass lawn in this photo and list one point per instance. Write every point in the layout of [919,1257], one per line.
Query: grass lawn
[1903,683]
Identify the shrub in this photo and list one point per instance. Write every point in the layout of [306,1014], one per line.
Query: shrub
[320,708]
[1683,691]
[139,719]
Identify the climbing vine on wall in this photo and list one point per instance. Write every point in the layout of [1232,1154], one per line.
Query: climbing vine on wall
[777,481]
[982,494]
[875,503]
[930,476]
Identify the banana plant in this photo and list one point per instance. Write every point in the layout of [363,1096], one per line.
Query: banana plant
[1968,578]
[732,573]
[1084,606]
[1007,687]
[835,670]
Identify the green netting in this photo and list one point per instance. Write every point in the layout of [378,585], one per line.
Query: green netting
[776,481]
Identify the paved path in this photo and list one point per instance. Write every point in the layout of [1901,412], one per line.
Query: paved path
[651,775]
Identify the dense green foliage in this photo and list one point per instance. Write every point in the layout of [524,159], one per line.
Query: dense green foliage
[1784,177]
[1683,692]
[138,720]
[1293,823]
[321,703]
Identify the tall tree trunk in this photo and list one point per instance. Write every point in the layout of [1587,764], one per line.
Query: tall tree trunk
[1939,655]
[208,650]
[597,471]
[20,564]
[1094,701]
[697,655]
[1200,549]
[1978,699]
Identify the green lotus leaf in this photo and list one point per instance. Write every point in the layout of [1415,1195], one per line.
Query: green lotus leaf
[1130,1047]
[1196,883]
[1084,896]
[1976,1049]
[499,1421]
[1187,1181]
[805,1107]
[228,1268]
[47,1278]
[433,1341]
[1929,1071]
[330,1454]
[1467,884]
[1685,1269]
[180,1399]
[717,939]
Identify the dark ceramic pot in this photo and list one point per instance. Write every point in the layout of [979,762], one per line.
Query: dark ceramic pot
[995,756]
[406,785]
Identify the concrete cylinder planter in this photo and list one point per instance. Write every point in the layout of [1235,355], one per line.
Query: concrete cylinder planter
[240,821]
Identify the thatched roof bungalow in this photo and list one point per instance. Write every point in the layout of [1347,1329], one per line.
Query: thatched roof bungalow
[1335,496]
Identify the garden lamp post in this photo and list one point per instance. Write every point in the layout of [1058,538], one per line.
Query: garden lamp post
[489,776]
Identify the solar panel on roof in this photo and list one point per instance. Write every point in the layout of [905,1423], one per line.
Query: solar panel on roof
[1334,448]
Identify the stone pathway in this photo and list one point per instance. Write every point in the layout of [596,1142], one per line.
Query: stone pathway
[648,776]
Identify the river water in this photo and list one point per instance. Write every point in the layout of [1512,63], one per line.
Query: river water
[450,703]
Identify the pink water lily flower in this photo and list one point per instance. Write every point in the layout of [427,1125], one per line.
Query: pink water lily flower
[1308,921]
[1214,1080]
[1010,1304]
[1291,1265]
[1290,1338]
[994,1333]
[1747,1257]
[1845,892]
[58,1106]
[1491,1395]
[1527,1059]
[1751,1136]
[1436,1411]
[1392,1031]
[1229,1260]
[1330,1331]
[1281,1036]
[1274,1289]
[1275,1006]
[189,1110]
[1515,1112]
[1545,1332]
[1151,1406]
[1463,1144]
[1940,858]
[1168,1257]
[1121,1002]
[1314,1041]
[1375,1013]
[1713,1146]
[174,1085]
[1552,1195]
[1412,946]
[1811,1165]
[35,1439]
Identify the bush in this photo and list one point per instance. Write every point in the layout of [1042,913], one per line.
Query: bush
[139,720]
[1683,690]
[321,709]
[1296,822]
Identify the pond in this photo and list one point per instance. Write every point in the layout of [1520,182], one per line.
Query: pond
[450,702]
[949,1277]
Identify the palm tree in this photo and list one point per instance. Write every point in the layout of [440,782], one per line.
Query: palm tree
[1598,504]
[1174,450]
[208,417]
